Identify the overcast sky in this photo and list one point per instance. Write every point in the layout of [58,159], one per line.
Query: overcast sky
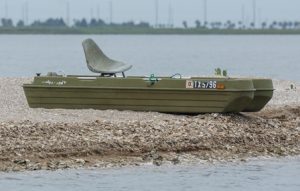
[144,10]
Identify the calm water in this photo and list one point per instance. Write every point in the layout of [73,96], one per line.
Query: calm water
[281,175]
[268,56]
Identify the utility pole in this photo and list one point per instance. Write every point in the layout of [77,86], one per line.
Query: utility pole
[259,17]
[254,13]
[111,12]
[98,11]
[68,13]
[156,13]
[26,10]
[171,19]
[24,13]
[205,11]
[243,15]
[6,9]
[92,13]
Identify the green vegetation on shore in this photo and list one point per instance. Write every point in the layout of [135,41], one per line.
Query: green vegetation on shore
[143,30]
[98,26]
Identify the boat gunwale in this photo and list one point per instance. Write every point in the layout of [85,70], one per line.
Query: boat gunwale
[138,88]
[162,77]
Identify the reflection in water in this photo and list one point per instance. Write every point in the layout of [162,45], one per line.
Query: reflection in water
[272,174]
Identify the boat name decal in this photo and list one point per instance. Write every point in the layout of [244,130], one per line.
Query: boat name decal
[59,83]
[196,84]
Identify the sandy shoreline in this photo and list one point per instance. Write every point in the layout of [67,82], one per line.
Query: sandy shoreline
[33,139]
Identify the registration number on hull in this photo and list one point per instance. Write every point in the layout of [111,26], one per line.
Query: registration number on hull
[196,84]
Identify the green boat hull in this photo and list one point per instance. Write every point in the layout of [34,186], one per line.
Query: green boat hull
[217,95]
[263,94]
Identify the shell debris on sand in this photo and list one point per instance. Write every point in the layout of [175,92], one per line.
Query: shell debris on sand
[33,139]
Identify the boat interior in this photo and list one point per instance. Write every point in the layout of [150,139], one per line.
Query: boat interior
[105,67]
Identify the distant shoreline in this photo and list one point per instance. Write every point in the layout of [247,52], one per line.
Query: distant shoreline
[144,31]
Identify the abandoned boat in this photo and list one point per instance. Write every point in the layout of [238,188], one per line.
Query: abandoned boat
[174,94]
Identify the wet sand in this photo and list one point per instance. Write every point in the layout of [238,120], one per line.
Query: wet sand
[34,139]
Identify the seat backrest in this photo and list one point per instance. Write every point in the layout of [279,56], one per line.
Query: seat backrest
[98,62]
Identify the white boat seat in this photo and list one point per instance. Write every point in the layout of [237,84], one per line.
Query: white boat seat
[98,62]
